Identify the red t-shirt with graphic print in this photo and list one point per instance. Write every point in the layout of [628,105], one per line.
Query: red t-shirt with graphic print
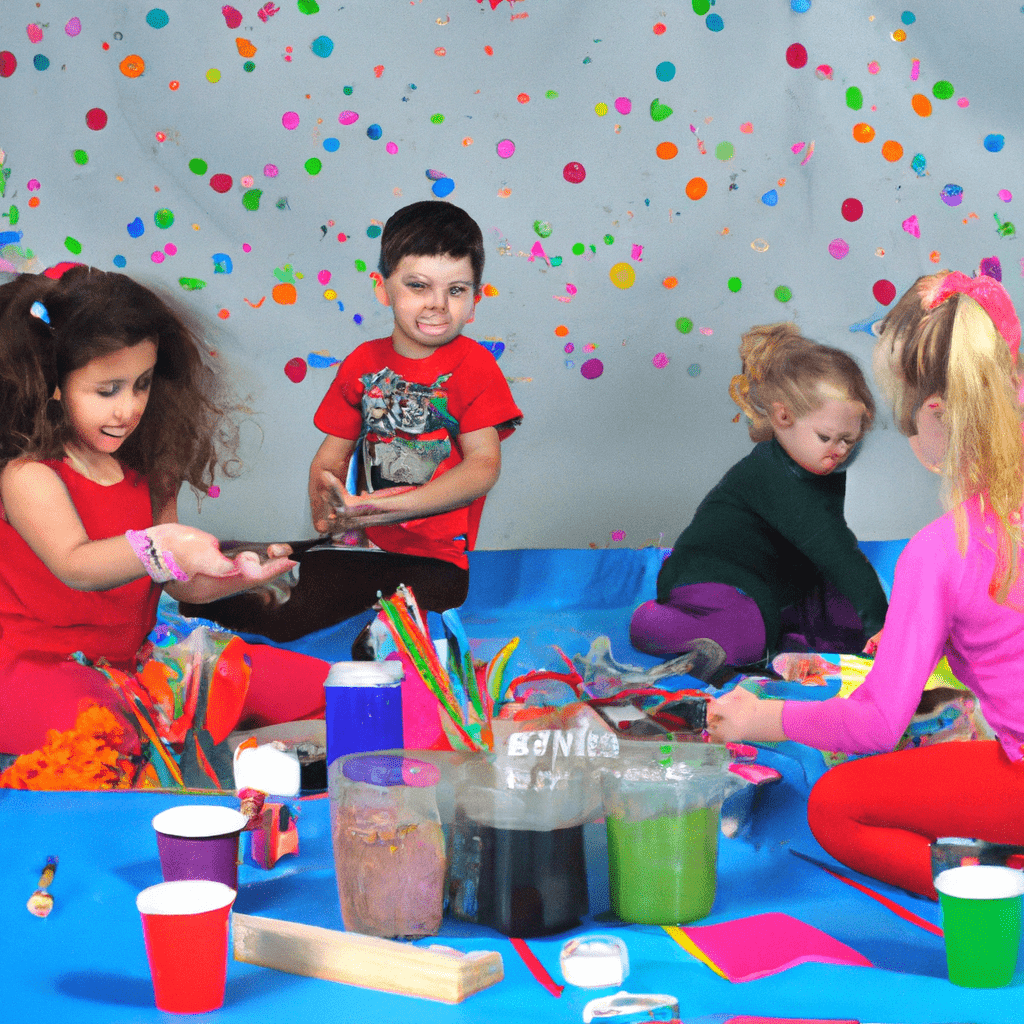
[407,415]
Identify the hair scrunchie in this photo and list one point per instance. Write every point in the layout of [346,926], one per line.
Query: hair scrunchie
[991,296]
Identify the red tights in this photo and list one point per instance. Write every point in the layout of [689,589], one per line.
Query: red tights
[879,814]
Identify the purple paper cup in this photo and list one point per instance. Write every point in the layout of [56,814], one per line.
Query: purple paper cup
[199,841]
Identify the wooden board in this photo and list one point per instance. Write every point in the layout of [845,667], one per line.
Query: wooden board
[448,976]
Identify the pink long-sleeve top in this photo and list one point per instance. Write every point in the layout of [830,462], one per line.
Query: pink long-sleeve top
[940,605]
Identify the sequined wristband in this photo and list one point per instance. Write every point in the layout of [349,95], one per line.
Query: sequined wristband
[159,564]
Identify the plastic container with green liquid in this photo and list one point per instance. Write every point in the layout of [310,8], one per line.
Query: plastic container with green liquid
[663,819]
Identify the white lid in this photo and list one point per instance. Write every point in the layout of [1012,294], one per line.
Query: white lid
[199,821]
[365,673]
[187,896]
[981,882]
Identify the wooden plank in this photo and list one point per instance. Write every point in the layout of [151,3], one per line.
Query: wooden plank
[447,976]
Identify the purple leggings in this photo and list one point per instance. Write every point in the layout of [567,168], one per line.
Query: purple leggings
[713,610]
[823,621]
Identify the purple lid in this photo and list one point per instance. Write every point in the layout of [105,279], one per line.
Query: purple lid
[390,770]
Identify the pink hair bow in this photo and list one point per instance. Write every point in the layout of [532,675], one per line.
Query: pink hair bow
[991,296]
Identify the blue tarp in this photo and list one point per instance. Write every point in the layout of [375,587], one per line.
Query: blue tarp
[86,963]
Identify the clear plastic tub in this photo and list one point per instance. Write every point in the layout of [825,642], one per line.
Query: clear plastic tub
[389,848]
[662,805]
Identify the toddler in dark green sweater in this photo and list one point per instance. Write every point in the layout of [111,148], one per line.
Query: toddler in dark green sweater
[768,562]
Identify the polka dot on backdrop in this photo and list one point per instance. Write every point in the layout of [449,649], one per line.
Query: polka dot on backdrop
[852,209]
[884,291]
[796,55]
[574,172]
[622,275]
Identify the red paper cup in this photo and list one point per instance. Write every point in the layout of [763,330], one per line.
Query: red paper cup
[185,928]
[199,841]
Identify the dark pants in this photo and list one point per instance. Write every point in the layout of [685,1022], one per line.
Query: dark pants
[335,584]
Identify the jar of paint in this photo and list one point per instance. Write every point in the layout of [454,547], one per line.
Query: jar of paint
[517,858]
[389,848]
[662,816]
[363,707]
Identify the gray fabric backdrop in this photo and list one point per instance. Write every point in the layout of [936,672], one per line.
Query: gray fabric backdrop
[744,181]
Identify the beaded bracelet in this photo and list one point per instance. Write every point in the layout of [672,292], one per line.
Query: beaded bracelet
[159,564]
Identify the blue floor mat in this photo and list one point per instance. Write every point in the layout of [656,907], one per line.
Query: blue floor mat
[86,962]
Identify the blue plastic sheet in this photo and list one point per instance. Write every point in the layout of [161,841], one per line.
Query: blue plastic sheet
[86,961]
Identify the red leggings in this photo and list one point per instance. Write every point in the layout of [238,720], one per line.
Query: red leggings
[38,695]
[879,814]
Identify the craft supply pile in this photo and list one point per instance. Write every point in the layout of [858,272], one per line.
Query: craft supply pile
[458,795]
[481,816]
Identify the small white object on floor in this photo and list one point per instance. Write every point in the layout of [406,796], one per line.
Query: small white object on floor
[596,961]
[270,767]
[635,1006]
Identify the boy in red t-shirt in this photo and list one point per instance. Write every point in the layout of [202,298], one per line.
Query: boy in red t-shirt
[424,412]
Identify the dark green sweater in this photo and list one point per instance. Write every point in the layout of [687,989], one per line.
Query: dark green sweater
[775,531]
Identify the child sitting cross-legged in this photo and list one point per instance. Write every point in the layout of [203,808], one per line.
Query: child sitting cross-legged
[768,563]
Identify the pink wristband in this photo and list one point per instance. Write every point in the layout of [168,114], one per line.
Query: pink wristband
[160,565]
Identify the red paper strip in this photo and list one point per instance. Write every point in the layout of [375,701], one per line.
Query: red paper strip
[899,911]
[889,904]
[536,968]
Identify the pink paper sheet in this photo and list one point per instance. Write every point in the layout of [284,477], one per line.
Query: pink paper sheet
[754,947]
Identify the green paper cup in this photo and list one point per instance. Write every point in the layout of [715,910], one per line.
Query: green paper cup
[981,921]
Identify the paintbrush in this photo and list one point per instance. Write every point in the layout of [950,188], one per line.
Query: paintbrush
[40,903]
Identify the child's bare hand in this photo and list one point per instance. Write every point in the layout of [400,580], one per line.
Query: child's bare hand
[253,568]
[739,715]
[194,551]
[329,496]
[354,512]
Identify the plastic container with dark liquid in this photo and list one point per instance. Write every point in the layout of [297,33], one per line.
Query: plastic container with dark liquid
[523,883]
[517,849]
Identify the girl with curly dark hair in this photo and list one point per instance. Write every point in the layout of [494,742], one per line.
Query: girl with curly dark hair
[109,402]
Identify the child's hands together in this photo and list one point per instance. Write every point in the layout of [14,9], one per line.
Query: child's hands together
[347,511]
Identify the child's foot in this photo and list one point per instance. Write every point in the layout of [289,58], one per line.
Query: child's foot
[701,659]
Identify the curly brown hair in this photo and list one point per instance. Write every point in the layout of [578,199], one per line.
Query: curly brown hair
[781,365]
[188,430]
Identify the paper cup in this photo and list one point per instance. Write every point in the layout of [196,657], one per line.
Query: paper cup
[981,921]
[199,841]
[185,928]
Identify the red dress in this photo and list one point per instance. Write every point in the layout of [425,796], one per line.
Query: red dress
[42,620]
[38,613]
